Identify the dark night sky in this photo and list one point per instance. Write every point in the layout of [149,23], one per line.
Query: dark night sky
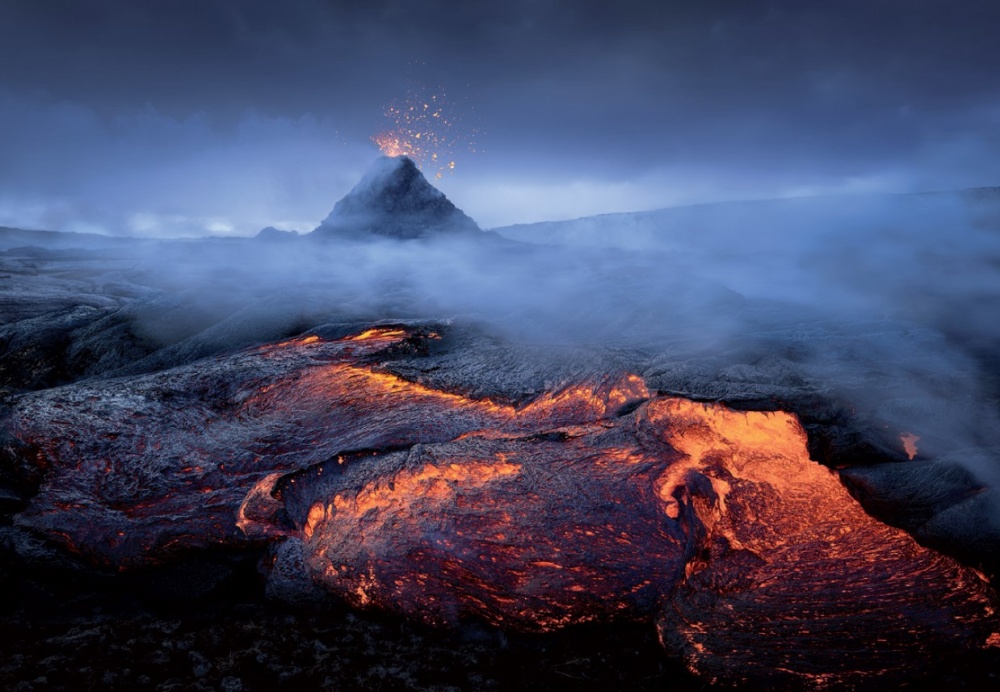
[194,116]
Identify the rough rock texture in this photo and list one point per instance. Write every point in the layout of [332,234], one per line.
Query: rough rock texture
[590,501]
[394,200]
[941,502]
[130,471]
[755,563]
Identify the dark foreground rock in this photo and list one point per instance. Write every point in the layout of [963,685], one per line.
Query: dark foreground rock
[594,501]
[59,634]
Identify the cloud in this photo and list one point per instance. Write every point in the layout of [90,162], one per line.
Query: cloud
[64,164]
[261,114]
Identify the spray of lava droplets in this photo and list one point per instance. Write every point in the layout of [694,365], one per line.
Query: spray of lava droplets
[425,129]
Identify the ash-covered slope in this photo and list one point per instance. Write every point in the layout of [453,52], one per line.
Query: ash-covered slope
[394,200]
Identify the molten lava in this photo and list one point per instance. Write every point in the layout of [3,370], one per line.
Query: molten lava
[593,501]
[752,559]
[130,472]
[910,441]
[792,577]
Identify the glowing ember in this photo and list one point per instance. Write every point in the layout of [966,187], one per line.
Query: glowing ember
[425,128]
[910,443]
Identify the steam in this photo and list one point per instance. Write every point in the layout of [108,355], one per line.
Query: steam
[882,304]
[427,128]
[146,173]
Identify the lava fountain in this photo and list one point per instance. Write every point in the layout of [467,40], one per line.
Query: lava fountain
[426,128]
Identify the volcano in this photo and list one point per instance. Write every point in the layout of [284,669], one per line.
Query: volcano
[394,200]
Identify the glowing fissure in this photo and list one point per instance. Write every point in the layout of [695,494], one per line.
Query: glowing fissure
[910,441]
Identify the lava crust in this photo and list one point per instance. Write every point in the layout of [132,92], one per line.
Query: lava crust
[596,501]
[753,561]
[131,471]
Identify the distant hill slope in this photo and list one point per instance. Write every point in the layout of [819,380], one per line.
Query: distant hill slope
[754,225]
[58,240]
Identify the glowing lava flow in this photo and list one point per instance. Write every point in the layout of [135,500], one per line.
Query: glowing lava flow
[793,579]
[593,502]
[754,562]
[133,471]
